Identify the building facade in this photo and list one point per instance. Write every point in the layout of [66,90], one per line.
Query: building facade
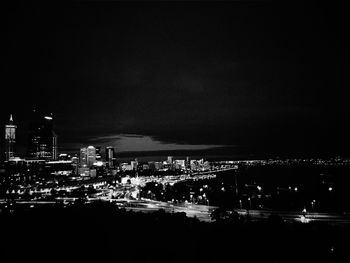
[83,157]
[42,143]
[91,156]
[110,157]
[10,139]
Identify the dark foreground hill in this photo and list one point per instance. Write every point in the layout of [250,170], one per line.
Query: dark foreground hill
[104,233]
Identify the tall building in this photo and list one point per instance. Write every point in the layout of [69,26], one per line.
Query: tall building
[188,162]
[110,156]
[42,142]
[75,164]
[83,157]
[91,156]
[98,153]
[10,139]
[54,146]
[170,160]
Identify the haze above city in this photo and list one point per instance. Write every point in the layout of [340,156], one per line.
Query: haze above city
[248,77]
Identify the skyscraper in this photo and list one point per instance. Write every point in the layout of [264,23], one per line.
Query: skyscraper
[91,155]
[83,157]
[42,142]
[75,164]
[10,139]
[188,162]
[110,156]
[54,146]
[98,153]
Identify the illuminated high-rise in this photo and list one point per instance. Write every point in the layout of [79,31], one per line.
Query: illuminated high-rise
[110,156]
[10,139]
[98,153]
[42,142]
[83,157]
[54,146]
[91,156]
[188,162]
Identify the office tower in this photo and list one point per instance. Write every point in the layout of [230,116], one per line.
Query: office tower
[10,139]
[188,162]
[91,156]
[75,164]
[42,139]
[54,146]
[110,156]
[98,153]
[170,159]
[83,157]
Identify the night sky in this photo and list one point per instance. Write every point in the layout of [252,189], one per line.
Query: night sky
[247,77]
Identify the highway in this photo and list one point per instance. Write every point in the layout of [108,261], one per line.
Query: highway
[331,218]
[202,212]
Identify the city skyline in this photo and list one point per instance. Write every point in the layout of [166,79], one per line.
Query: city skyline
[135,145]
[174,131]
[38,147]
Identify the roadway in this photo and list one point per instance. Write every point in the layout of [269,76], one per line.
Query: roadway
[202,212]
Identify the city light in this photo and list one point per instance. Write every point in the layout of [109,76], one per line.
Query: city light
[303,219]
[103,177]
[182,131]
